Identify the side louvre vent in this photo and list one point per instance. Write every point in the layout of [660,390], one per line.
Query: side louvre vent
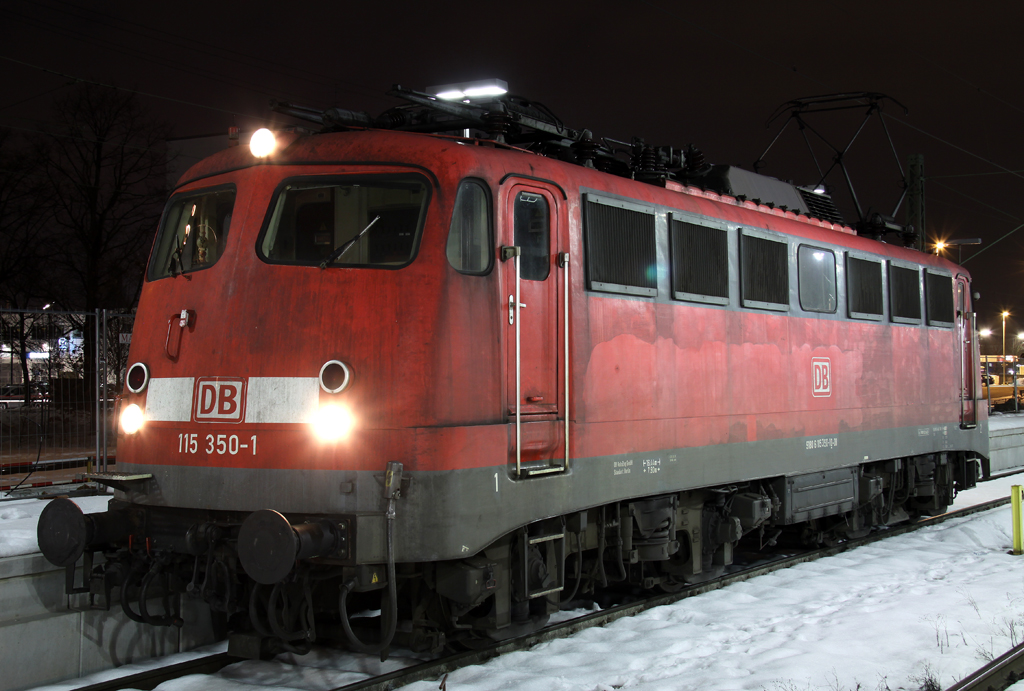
[905,293]
[864,288]
[765,273]
[700,263]
[938,292]
[621,249]
[821,206]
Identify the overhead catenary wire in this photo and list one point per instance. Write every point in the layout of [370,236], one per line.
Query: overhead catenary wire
[247,59]
[131,90]
[140,55]
[793,70]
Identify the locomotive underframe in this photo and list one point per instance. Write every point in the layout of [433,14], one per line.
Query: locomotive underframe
[513,584]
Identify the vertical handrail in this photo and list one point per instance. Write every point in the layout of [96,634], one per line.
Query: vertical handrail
[96,379]
[103,387]
[565,328]
[963,319]
[975,365]
[519,396]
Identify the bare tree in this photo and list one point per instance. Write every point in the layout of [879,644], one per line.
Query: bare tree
[104,163]
[23,214]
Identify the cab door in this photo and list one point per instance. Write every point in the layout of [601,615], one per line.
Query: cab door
[532,269]
[968,354]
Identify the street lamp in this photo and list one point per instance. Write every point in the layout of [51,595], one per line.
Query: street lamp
[941,245]
[1002,380]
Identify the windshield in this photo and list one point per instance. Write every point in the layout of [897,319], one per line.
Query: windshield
[194,232]
[313,218]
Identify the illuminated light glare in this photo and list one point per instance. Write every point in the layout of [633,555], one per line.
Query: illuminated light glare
[985,332]
[193,209]
[820,256]
[492,90]
[820,189]
[132,419]
[262,143]
[460,91]
[332,423]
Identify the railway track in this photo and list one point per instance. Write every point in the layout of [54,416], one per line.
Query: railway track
[435,669]
[1002,673]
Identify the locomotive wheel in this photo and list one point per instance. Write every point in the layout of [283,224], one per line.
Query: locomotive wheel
[671,585]
[706,574]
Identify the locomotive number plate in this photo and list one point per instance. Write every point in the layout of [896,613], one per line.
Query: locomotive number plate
[220,444]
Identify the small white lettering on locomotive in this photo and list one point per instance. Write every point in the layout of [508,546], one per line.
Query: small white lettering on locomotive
[218,399]
[652,465]
[822,443]
[622,467]
[821,377]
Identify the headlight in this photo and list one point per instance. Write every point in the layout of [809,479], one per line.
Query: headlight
[335,376]
[332,423]
[132,419]
[137,378]
[262,143]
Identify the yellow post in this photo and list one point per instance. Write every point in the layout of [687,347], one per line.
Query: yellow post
[1015,501]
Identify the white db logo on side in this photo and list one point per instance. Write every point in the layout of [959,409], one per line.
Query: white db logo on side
[821,376]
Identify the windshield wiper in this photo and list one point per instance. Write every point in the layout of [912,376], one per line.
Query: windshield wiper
[337,254]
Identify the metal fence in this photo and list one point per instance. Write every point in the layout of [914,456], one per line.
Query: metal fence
[61,376]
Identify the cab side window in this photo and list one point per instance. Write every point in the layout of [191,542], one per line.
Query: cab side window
[532,233]
[469,247]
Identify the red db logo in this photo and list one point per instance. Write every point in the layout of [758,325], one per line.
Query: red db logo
[219,399]
[821,377]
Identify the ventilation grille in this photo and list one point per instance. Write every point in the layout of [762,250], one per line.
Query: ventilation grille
[621,251]
[821,206]
[765,274]
[864,279]
[905,291]
[938,292]
[700,262]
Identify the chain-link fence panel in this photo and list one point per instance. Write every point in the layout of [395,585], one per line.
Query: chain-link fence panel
[61,375]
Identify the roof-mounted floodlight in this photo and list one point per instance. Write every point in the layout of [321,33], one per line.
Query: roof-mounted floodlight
[262,143]
[461,91]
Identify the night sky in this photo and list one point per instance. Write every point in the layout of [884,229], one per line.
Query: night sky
[673,73]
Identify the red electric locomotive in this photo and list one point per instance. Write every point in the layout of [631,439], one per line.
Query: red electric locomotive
[460,362]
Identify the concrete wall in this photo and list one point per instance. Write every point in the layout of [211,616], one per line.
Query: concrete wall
[46,636]
[1006,443]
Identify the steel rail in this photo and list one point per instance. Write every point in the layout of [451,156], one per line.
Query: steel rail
[1002,673]
[433,669]
[150,679]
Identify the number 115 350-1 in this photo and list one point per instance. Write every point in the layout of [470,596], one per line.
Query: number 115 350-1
[214,444]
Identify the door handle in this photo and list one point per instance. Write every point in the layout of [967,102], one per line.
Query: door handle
[512,308]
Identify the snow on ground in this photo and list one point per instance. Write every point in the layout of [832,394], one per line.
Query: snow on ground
[935,604]
[18,522]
